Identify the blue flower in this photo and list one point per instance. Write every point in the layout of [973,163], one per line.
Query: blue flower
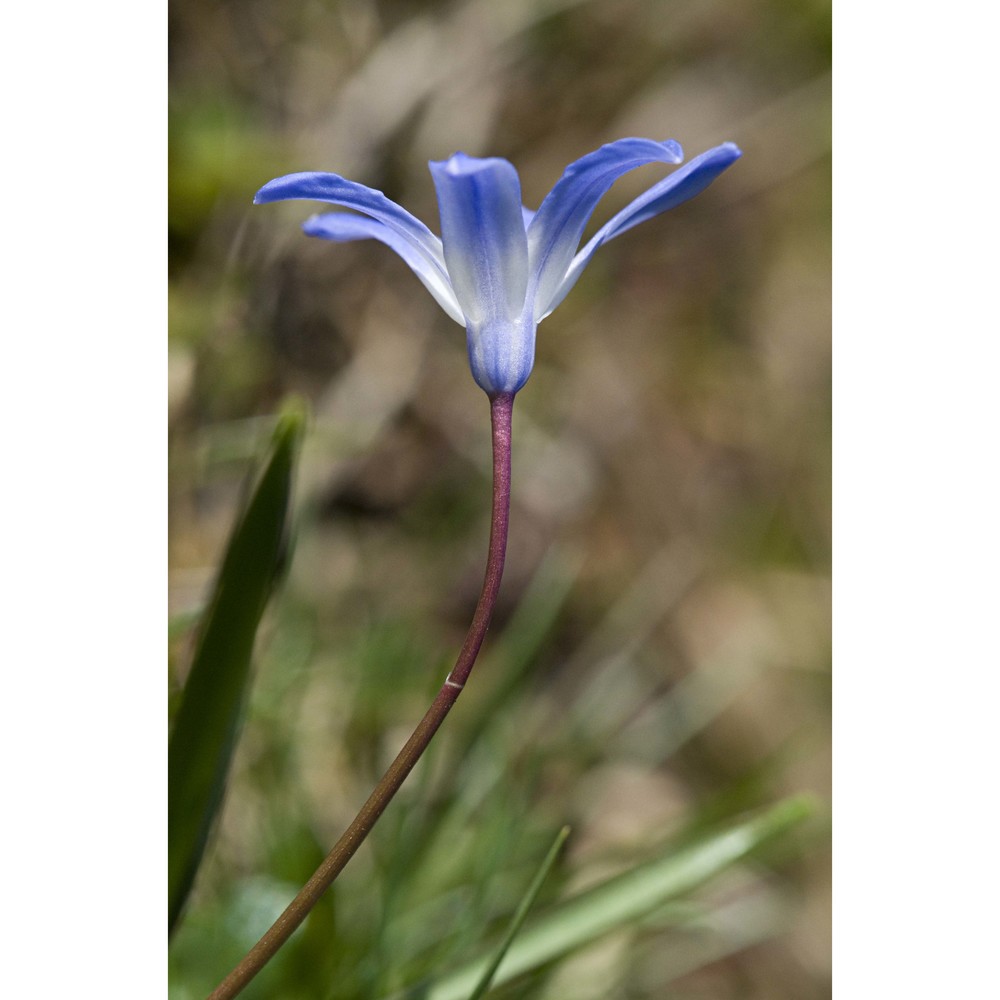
[499,268]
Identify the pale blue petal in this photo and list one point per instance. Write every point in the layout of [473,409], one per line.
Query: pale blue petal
[682,184]
[555,232]
[485,246]
[340,191]
[344,227]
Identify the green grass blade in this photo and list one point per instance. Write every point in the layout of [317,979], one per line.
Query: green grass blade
[208,720]
[520,914]
[623,900]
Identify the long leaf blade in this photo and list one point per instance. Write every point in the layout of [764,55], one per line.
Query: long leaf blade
[208,720]
[520,915]
[622,900]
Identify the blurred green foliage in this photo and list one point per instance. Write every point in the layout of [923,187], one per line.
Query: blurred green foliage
[659,662]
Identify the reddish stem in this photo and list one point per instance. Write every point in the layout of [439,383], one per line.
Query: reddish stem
[501,408]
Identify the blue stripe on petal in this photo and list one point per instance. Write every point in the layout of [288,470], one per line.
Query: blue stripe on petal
[682,184]
[555,231]
[340,191]
[483,233]
[344,227]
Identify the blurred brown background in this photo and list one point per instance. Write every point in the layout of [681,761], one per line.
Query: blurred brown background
[671,449]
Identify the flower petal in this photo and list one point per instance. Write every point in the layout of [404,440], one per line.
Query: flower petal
[482,229]
[555,231]
[682,184]
[345,226]
[340,191]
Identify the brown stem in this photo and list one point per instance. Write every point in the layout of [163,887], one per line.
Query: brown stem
[501,408]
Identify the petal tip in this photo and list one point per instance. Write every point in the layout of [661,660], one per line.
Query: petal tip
[311,226]
[462,165]
[266,193]
[450,165]
[674,151]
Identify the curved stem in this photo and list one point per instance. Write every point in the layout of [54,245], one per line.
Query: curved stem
[501,408]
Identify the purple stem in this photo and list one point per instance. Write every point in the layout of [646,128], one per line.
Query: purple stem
[501,408]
